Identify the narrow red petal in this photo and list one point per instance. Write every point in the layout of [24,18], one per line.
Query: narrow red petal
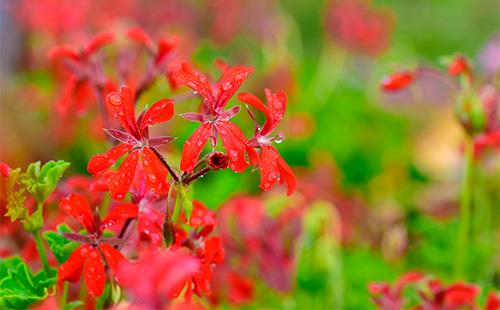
[4,169]
[287,176]
[121,106]
[186,75]
[154,170]
[77,206]
[161,111]
[254,101]
[101,162]
[140,36]
[397,81]
[65,51]
[120,212]
[193,147]
[230,83]
[268,165]
[235,143]
[276,106]
[120,181]
[94,275]
[112,256]
[71,270]
[98,42]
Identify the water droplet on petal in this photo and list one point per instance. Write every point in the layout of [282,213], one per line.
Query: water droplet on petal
[115,100]
[226,86]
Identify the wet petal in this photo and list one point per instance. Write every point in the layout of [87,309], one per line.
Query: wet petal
[77,206]
[120,212]
[71,270]
[101,162]
[186,75]
[158,141]
[268,165]
[121,106]
[161,111]
[112,256]
[230,82]
[64,51]
[235,144]
[94,275]
[276,105]
[287,176]
[155,172]
[98,42]
[120,181]
[150,226]
[193,147]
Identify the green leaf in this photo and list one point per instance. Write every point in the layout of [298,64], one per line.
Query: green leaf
[60,246]
[19,288]
[42,181]
[15,205]
[73,305]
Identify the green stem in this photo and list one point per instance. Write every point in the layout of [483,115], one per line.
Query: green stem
[41,251]
[64,296]
[465,210]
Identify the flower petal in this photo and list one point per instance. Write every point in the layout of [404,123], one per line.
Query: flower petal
[149,225]
[120,181]
[161,111]
[121,106]
[112,256]
[77,206]
[193,147]
[101,162]
[94,275]
[268,165]
[235,143]
[140,36]
[287,176]
[120,212]
[64,51]
[98,42]
[154,170]
[397,81]
[71,270]
[276,105]
[186,75]
[230,82]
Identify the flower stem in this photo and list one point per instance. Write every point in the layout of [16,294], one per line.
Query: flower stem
[64,296]
[41,251]
[465,209]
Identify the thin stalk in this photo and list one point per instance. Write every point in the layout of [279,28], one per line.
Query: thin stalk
[172,172]
[41,251]
[64,296]
[465,209]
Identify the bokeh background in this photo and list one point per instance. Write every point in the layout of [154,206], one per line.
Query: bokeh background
[379,174]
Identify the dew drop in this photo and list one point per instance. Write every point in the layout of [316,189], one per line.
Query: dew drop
[152,177]
[115,100]
[226,86]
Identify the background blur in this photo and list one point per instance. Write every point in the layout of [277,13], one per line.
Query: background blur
[378,174]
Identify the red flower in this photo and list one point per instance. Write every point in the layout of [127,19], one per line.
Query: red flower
[4,169]
[214,118]
[272,166]
[160,51]
[89,256]
[397,81]
[135,140]
[492,302]
[208,250]
[485,141]
[459,65]
[391,297]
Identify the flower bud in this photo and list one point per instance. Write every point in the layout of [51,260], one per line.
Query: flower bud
[217,160]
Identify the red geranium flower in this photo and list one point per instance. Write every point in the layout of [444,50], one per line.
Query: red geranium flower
[397,81]
[89,256]
[135,140]
[4,169]
[272,166]
[214,118]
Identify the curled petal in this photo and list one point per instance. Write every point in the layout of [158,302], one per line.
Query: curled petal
[191,116]
[121,106]
[71,270]
[101,162]
[193,147]
[230,83]
[77,206]
[140,36]
[235,143]
[120,212]
[97,42]
[120,181]
[161,111]
[154,170]
[273,168]
[94,275]
[186,75]
[112,256]
[254,101]
[65,51]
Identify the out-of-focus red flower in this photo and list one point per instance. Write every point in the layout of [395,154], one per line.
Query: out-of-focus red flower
[397,81]
[459,65]
[4,169]
[134,140]
[272,166]
[214,118]
[492,301]
[486,141]
[358,26]
[391,297]
[155,274]
[88,257]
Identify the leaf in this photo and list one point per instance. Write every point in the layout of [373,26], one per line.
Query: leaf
[19,288]
[73,305]
[15,205]
[60,246]
[42,181]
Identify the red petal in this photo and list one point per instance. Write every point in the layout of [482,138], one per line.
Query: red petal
[4,169]
[112,256]
[98,42]
[94,275]
[460,294]
[120,181]
[71,270]
[255,102]
[154,170]
[230,83]
[185,75]
[77,206]
[235,143]
[64,51]
[140,36]
[121,106]
[276,105]
[201,216]
[492,302]
[458,66]
[268,165]
[397,81]
[287,176]
[193,147]
[214,252]
[101,162]
[164,48]
[161,111]
[120,212]
[149,225]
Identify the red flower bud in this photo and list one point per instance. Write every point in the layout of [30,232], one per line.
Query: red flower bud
[397,81]
[217,160]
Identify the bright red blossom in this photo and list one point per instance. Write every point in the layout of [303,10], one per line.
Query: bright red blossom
[135,140]
[214,118]
[272,166]
[89,256]
[397,81]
